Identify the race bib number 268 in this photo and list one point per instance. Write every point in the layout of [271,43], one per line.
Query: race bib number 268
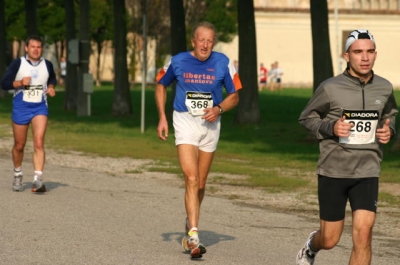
[365,123]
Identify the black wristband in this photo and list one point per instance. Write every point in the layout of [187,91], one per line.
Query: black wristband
[220,109]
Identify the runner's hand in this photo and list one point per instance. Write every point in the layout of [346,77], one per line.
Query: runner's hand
[342,128]
[384,134]
[162,129]
[211,114]
[51,91]
[26,81]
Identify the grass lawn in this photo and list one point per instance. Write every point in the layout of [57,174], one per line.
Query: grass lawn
[277,154]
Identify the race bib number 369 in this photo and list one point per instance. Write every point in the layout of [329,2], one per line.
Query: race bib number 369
[365,123]
[197,102]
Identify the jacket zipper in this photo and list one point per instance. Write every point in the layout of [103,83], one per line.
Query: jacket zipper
[363,96]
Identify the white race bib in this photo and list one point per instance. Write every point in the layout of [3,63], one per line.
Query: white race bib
[33,94]
[365,124]
[197,102]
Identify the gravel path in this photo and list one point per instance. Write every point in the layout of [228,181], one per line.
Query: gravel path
[97,196]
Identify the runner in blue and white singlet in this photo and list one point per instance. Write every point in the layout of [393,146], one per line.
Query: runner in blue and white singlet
[32,78]
[30,100]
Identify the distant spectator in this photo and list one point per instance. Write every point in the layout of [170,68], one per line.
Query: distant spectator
[63,70]
[278,75]
[272,77]
[263,77]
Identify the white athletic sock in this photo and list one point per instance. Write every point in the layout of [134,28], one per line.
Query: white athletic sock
[38,176]
[17,171]
[193,232]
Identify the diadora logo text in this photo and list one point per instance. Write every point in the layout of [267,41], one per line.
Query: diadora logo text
[361,115]
[199,95]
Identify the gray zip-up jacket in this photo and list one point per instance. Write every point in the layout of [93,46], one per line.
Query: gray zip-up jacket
[345,92]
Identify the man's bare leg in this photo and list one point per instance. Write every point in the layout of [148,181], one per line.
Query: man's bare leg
[363,222]
[20,135]
[325,238]
[328,235]
[39,125]
[195,165]
[188,157]
[205,161]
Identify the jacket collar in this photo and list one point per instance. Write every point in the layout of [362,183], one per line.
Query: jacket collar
[356,79]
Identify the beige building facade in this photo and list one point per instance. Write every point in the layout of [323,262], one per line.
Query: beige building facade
[283,30]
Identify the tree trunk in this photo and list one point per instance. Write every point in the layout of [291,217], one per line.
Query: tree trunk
[178,36]
[322,59]
[84,54]
[30,15]
[248,109]
[3,47]
[71,80]
[98,70]
[122,99]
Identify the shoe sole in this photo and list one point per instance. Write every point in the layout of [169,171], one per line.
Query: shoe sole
[41,189]
[202,249]
[196,253]
[187,249]
[185,245]
[18,188]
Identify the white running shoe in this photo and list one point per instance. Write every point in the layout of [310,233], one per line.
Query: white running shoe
[185,238]
[303,258]
[193,243]
[38,186]
[17,183]
[185,241]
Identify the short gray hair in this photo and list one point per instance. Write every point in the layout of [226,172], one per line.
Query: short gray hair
[207,25]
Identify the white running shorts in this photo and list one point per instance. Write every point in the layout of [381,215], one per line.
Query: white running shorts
[196,131]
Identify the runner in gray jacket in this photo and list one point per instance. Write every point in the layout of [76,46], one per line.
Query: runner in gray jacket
[351,115]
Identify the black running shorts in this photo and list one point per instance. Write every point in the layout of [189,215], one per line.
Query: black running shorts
[333,194]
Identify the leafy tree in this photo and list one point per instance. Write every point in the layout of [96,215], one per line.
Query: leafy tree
[248,110]
[51,17]
[15,20]
[158,29]
[320,41]
[122,100]
[222,13]
[101,30]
